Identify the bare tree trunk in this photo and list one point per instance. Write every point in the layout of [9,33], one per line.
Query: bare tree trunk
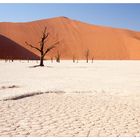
[57,57]
[73,59]
[52,59]
[92,59]
[87,55]
[77,60]
[87,59]
[41,60]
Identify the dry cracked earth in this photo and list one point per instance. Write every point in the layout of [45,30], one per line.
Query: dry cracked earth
[74,114]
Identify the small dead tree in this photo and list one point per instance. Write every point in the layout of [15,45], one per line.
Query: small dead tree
[6,59]
[57,57]
[92,59]
[52,59]
[73,58]
[77,60]
[87,55]
[41,49]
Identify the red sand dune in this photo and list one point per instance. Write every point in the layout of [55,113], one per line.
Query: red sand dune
[75,38]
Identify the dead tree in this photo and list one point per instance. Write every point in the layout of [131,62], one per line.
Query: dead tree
[52,59]
[41,48]
[87,55]
[73,58]
[57,57]
[92,59]
[77,60]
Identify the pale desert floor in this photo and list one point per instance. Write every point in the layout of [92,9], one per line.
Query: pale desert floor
[76,99]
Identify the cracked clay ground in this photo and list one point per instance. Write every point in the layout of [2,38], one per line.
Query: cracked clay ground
[71,115]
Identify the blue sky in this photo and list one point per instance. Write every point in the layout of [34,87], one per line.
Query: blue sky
[114,15]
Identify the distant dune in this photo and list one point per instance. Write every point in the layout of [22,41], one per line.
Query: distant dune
[75,38]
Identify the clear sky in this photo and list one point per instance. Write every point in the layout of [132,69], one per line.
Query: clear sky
[114,15]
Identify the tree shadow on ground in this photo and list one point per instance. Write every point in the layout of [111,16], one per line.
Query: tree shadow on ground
[35,66]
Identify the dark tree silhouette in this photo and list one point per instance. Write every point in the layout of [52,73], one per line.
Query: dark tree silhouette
[73,59]
[92,59]
[87,55]
[52,59]
[41,49]
[58,57]
[77,60]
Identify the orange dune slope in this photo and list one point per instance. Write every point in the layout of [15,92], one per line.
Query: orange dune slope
[75,39]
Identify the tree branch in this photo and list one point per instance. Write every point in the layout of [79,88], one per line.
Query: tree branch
[44,37]
[48,49]
[32,46]
[45,29]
